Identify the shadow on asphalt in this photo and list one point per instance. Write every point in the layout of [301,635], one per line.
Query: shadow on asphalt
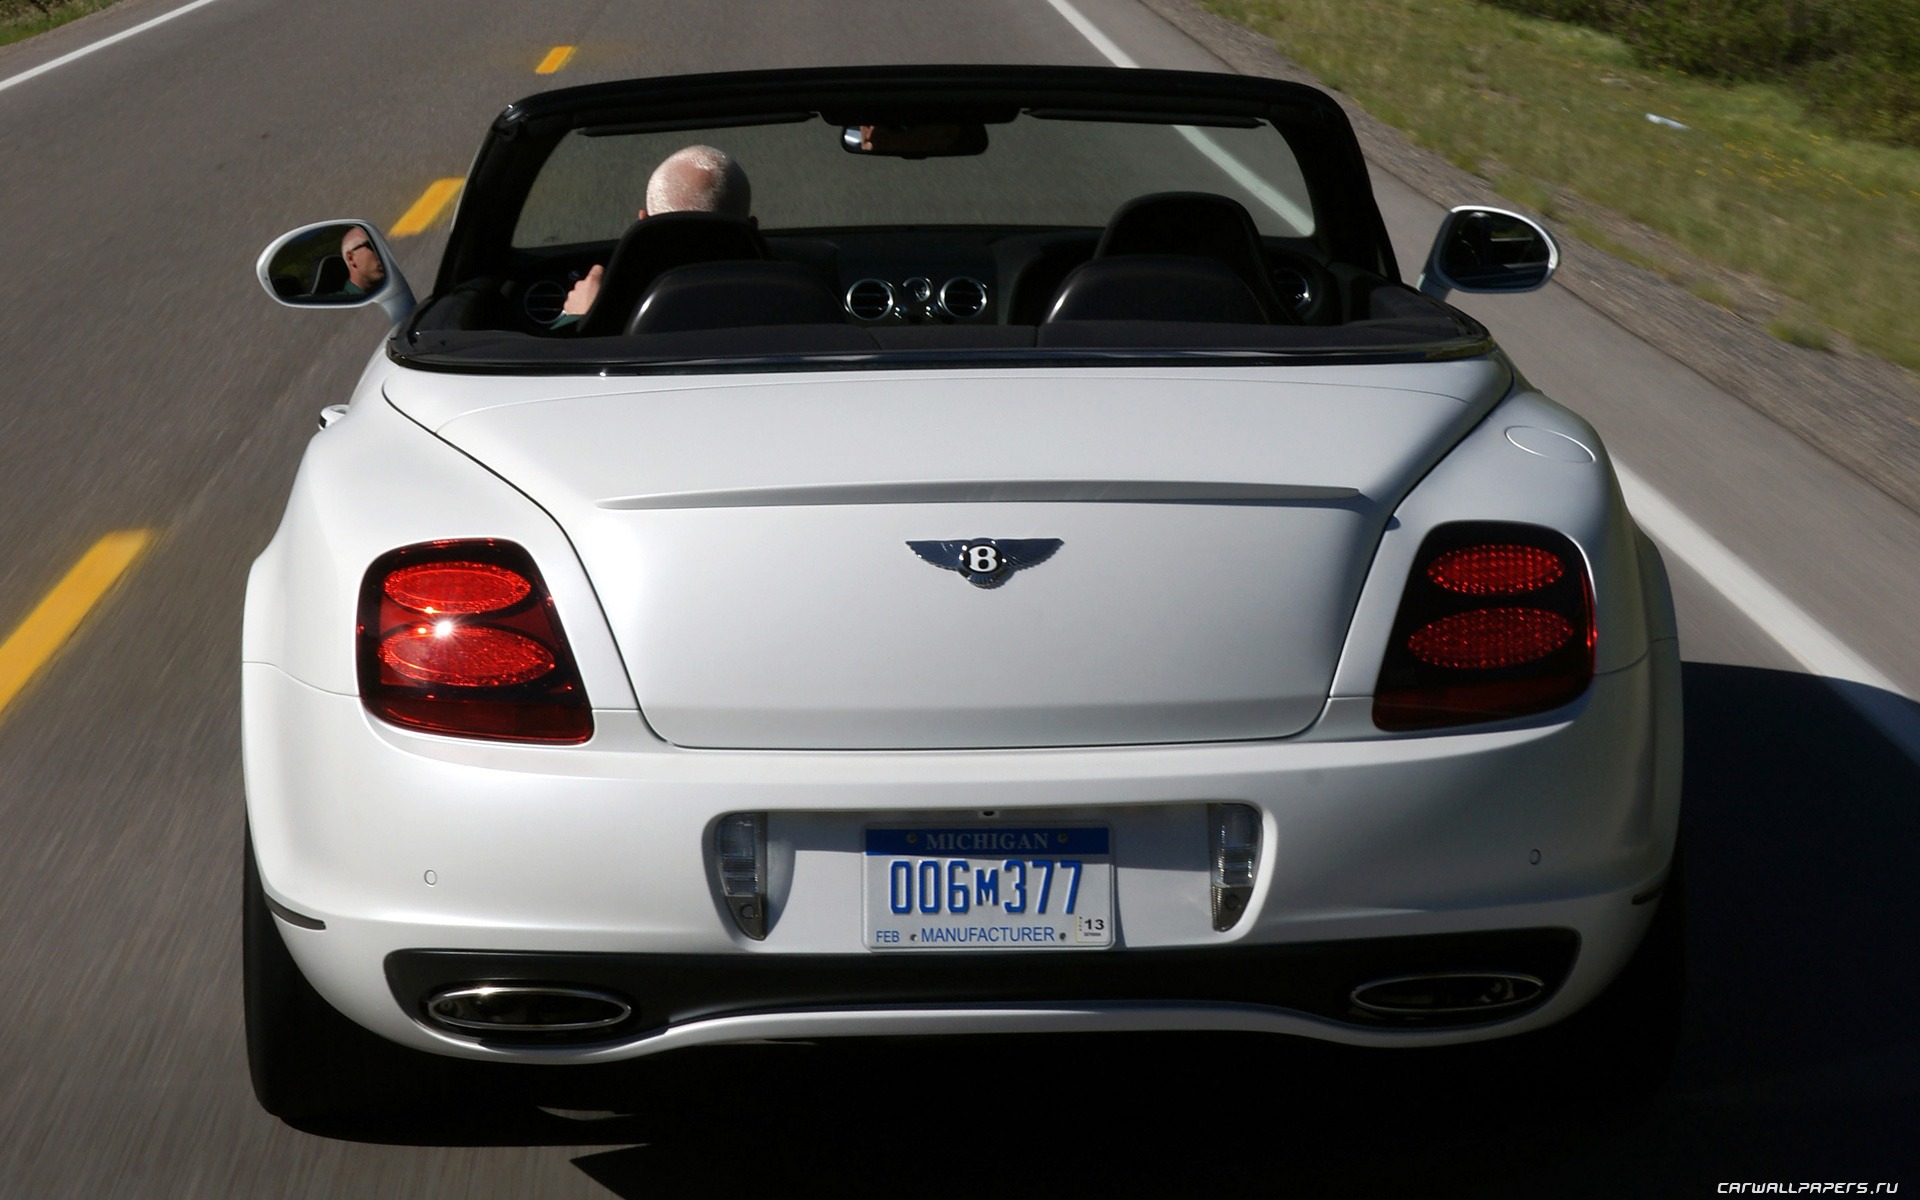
[1799,1063]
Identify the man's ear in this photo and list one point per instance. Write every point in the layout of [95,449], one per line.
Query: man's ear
[641,215]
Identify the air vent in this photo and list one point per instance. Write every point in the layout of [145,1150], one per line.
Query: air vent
[543,301]
[870,300]
[1292,287]
[963,297]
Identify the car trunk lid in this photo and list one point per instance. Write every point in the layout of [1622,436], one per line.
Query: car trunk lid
[751,540]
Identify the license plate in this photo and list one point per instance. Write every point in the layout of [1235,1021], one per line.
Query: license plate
[1036,888]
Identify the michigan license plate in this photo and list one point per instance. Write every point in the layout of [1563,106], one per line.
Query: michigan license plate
[1037,888]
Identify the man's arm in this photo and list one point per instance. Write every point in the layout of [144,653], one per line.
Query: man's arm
[580,299]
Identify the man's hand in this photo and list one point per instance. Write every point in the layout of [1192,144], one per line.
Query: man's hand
[584,293]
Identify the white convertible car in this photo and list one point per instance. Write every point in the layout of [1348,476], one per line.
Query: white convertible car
[1037,570]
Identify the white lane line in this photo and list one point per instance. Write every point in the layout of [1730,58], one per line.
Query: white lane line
[1091,32]
[1284,206]
[1856,680]
[1784,621]
[102,44]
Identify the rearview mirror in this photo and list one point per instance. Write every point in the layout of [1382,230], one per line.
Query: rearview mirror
[1488,250]
[950,140]
[334,264]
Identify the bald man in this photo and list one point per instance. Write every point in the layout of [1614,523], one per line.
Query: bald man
[694,179]
[365,271]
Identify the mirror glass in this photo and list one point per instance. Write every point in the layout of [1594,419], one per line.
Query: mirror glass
[1494,252]
[915,141]
[330,265]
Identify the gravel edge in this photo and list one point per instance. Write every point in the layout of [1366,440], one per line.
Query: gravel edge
[1861,412]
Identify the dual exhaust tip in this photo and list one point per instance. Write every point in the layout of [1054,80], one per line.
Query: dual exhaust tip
[1451,995]
[522,1010]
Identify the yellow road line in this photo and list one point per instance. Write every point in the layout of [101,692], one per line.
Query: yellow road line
[427,208]
[49,625]
[556,58]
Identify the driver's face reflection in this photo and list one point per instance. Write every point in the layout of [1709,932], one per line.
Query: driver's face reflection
[364,267]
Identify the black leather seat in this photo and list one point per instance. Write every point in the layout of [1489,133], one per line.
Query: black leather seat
[1155,287]
[734,295]
[1199,227]
[660,243]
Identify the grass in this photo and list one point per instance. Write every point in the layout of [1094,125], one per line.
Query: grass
[1752,184]
[1714,294]
[21,19]
[1796,333]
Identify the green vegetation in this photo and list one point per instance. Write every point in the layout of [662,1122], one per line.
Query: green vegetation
[20,19]
[1540,108]
[1855,61]
[1795,334]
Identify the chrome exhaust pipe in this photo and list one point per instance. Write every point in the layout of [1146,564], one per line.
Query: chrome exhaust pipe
[1449,994]
[518,1008]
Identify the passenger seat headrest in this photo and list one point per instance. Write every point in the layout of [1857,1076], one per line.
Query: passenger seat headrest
[1155,287]
[1201,224]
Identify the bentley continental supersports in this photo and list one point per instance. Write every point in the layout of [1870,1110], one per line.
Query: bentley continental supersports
[1002,551]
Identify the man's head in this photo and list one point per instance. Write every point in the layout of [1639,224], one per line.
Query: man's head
[698,179]
[364,267]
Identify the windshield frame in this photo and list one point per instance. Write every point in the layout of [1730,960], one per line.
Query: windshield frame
[1348,228]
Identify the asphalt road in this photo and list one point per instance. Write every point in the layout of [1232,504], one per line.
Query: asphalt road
[146,384]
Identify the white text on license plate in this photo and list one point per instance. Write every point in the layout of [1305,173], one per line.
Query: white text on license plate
[981,888]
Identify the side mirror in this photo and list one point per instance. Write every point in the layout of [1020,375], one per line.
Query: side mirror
[335,264]
[1488,250]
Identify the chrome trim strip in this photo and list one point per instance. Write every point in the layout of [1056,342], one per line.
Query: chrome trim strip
[296,919]
[1086,491]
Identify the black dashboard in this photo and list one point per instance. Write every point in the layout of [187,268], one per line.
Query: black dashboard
[905,277]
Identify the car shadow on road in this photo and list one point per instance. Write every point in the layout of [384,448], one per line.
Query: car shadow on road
[1799,1062]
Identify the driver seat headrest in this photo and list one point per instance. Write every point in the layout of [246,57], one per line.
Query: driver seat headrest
[652,245]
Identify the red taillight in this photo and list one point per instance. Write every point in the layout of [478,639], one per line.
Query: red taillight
[456,587]
[1495,570]
[465,655]
[461,638]
[1487,639]
[1496,622]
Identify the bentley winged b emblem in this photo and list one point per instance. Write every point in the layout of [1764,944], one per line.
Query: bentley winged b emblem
[987,562]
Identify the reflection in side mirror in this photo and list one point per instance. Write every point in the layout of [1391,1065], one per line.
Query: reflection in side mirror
[1488,250]
[334,264]
[950,140]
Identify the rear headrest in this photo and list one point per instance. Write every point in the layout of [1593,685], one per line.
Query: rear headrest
[1201,224]
[1155,287]
[660,243]
[733,295]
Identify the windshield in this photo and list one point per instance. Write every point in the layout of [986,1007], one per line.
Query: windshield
[1034,172]
[946,215]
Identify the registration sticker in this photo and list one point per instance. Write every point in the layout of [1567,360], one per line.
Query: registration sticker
[989,888]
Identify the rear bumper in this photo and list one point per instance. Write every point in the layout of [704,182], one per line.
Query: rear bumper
[1522,848]
[1314,979]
